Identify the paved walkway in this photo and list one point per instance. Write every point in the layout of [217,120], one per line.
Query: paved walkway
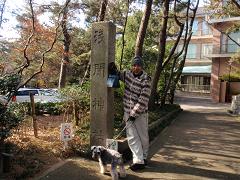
[203,142]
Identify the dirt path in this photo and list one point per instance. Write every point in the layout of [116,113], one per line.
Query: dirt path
[202,143]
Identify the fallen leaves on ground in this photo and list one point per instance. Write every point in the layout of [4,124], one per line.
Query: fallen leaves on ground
[31,155]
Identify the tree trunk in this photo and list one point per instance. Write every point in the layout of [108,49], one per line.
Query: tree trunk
[75,113]
[2,8]
[66,45]
[63,75]
[175,81]
[1,155]
[34,120]
[182,63]
[235,2]
[123,35]
[172,94]
[174,66]
[179,71]
[102,11]
[143,29]
[172,56]
[162,47]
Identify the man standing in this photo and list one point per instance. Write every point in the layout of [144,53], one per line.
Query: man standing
[135,101]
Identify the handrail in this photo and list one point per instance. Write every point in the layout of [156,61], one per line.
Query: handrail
[195,88]
[229,48]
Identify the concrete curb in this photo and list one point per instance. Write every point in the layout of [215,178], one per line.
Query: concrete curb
[159,121]
[53,168]
[164,118]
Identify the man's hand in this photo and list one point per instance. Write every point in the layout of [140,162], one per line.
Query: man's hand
[131,118]
[112,68]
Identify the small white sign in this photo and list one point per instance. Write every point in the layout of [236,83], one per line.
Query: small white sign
[112,144]
[66,131]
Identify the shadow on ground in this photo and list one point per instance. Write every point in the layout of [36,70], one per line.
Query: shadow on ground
[79,170]
[161,168]
[200,144]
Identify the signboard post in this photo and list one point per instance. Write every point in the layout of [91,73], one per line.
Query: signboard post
[66,133]
[112,144]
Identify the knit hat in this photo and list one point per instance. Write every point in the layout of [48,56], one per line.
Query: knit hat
[137,61]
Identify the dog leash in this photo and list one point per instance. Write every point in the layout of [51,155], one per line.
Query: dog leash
[124,128]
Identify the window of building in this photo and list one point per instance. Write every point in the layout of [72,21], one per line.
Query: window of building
[195,28]
[195,80]
[195,83]
[192,51]
[206,30]
[232,47]
[206,50]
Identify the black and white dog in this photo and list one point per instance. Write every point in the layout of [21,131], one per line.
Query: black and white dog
[108,156]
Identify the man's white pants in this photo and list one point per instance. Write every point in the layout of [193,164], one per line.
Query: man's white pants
[137,135]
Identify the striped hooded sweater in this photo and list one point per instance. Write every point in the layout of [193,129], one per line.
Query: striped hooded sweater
[136,93]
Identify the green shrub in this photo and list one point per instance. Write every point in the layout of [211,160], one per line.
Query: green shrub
[9,83]
[49,108]
[10,117]
[78,94]
[41,108]
[234,77]
[84,131]
[76,100]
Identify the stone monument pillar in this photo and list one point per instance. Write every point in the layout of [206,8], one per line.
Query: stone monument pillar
[101,105]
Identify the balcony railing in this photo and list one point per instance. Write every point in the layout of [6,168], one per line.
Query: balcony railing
[195,88]
[202,32]
[229,48]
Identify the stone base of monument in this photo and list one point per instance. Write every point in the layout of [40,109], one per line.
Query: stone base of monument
[235,106]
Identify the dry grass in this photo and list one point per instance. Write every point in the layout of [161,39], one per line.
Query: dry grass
[35,155]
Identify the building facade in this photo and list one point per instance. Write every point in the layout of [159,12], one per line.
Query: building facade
[196,74]
[208,57]
[224,47]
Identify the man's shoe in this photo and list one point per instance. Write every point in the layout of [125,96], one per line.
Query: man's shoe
[135,167]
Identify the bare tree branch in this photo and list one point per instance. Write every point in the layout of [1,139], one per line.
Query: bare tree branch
[124,30]
[86,72]
[181,26]
[226,34]
[28,40]
[43,56]
[2,8]
[186,42]
[236,3]
[46,51]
